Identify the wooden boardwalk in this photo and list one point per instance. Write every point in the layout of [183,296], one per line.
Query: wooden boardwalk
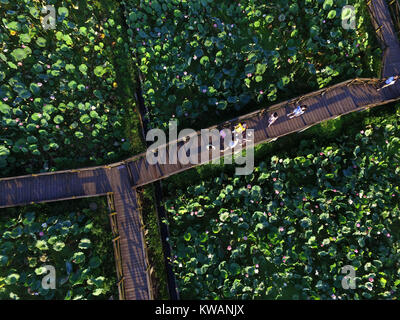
[122,178]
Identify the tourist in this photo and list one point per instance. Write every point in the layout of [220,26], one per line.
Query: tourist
[298,111]
[240,128]
[272,118]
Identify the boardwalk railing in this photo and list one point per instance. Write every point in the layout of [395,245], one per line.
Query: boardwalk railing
[116,245]
[377,25]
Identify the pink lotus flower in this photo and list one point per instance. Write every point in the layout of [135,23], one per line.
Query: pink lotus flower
[276,191]
[371,279]
[229,248]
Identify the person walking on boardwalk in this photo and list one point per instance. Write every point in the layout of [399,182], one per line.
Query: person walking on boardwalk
[389,82]
[298,111]
[272,119]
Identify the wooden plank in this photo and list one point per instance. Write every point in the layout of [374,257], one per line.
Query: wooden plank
[335,100]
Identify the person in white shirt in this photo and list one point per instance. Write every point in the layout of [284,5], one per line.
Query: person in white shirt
[389,82]
[298,111]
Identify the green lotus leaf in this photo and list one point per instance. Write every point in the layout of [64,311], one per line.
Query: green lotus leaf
[58,246]
[85,244]
[41,245]
[94,262]
[19,54]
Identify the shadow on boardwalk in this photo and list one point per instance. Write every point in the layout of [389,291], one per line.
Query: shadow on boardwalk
[122,178]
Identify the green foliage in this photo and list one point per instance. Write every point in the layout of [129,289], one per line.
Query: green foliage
[61,88]
[52,235]
[228,55]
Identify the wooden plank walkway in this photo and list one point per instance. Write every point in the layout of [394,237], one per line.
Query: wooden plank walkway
[132,243]
[383,24]
[124,177]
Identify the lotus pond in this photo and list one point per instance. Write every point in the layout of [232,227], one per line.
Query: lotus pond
[75,238]
[286,231]
[60,105]
[213,58]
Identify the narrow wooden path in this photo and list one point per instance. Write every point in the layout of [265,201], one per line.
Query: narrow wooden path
[124,177]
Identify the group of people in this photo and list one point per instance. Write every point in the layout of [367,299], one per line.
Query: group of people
[300,109]
[297,111]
